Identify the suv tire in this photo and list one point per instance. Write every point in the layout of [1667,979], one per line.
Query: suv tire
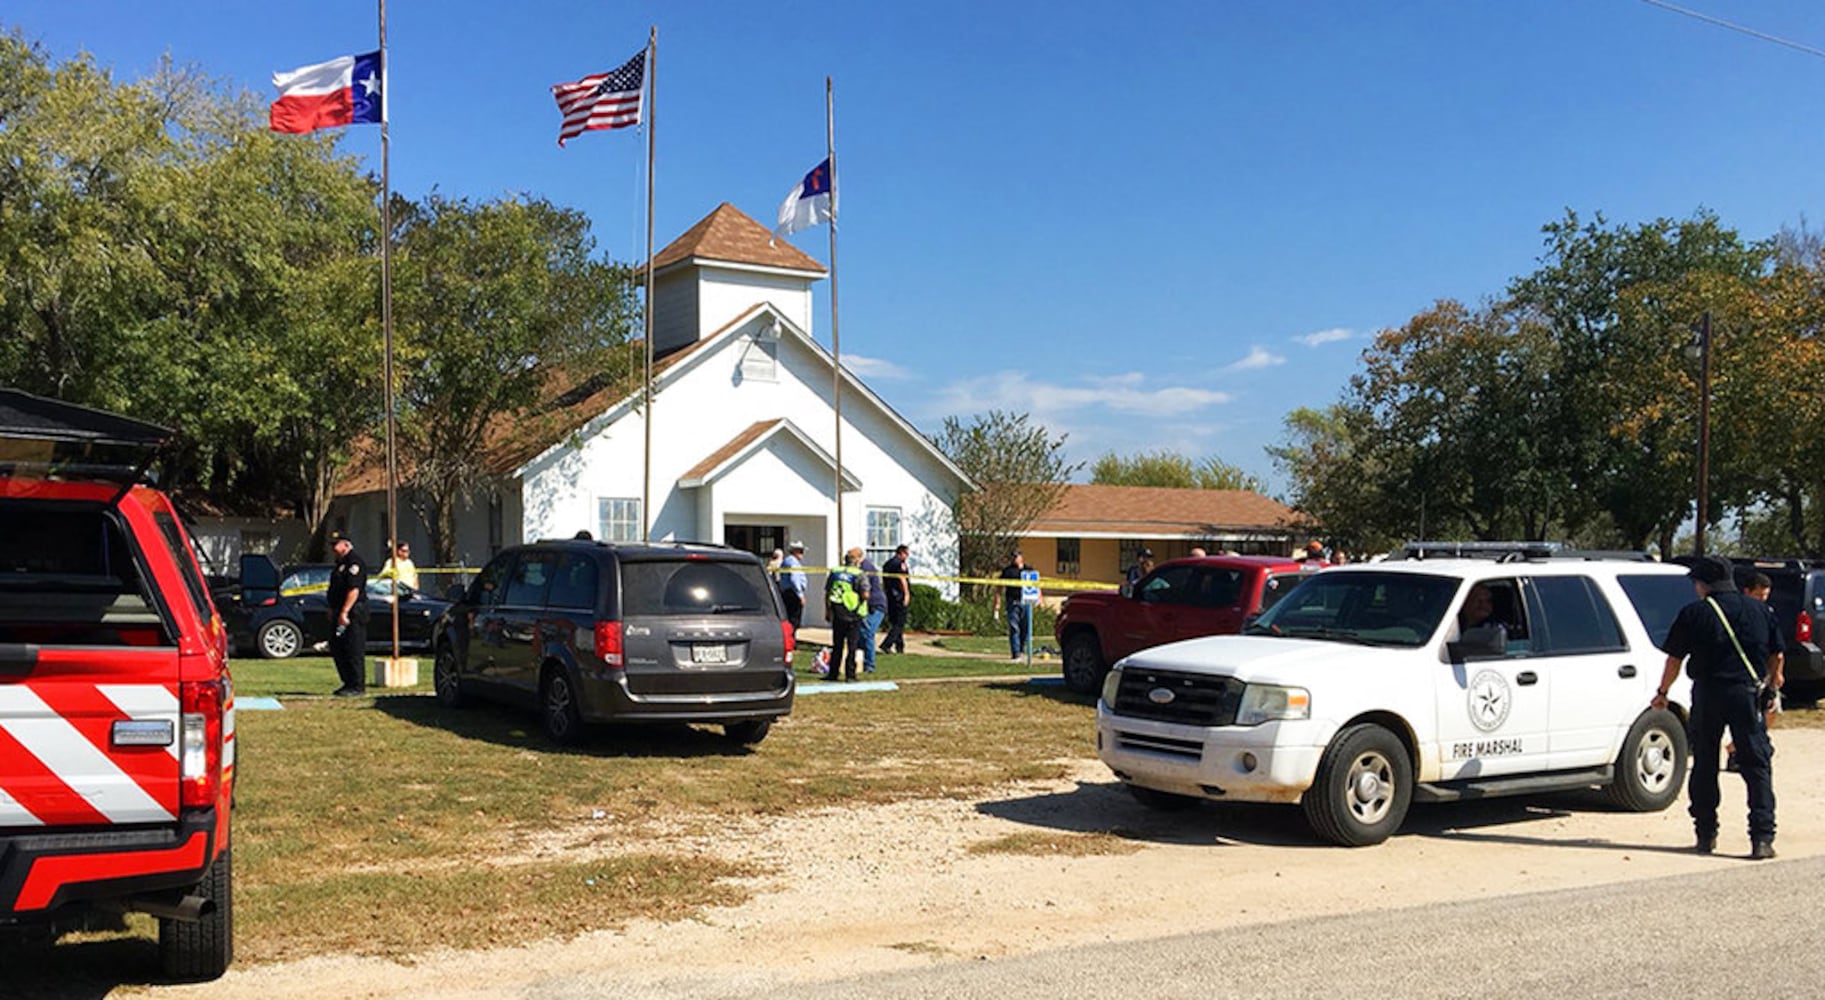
[558,711]
[445,680]
[1083,663]
[1651,768]
[1363,787]
[748,733]
[199,951]
[279,639]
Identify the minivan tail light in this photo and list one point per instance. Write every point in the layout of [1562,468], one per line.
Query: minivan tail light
[785,631]
[200,742]
[1802,627]
[608,643]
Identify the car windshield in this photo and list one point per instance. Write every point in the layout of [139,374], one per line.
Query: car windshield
[1368,608]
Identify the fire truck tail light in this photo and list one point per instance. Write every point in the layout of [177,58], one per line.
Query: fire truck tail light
[200,746]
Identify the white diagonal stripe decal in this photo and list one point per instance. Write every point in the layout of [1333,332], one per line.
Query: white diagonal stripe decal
[147,702]
[78,763]
[14,814]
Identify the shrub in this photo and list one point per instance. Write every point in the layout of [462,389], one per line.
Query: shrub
[929,611]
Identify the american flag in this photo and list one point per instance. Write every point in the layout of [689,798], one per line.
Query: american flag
[601,100]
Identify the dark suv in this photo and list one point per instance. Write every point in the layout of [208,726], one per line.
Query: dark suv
[591,631]
[1798,599]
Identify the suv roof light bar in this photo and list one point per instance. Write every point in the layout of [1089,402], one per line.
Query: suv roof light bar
[1509,551]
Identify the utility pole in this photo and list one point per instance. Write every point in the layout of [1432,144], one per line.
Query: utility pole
[1704,431]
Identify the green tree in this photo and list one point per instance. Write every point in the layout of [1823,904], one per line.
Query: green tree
[1326,456]
[164,255]
[1619,302]
[1021,471]
[496,300]
[1170,468]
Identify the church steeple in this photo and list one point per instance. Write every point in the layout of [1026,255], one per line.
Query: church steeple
[720,268]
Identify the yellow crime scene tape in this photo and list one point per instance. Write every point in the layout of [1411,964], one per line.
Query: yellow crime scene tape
[1043,583]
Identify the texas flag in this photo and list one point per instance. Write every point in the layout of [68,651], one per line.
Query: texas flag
[344,91]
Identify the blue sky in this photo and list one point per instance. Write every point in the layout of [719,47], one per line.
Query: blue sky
[1152,225]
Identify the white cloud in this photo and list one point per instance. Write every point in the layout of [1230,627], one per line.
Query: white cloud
[1323,337]
[1127,394]
[1258,358]
[875,368]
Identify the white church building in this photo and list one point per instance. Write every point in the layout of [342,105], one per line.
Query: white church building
[743,434]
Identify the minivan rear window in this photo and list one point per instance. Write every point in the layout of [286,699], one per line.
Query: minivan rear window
[1657,599]
[692,587]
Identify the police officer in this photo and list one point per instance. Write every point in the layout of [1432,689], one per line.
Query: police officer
[1730,644]
[348,608]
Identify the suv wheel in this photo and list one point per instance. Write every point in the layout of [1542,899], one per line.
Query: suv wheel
[748,733]
[558,707]
[1651,769]
[194,952]
[1083,666]
[444,679]
[1363,787]
[279,639]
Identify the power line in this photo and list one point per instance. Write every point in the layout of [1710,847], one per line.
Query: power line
[1751,32]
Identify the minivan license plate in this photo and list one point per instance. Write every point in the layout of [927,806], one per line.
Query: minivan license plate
[709,652]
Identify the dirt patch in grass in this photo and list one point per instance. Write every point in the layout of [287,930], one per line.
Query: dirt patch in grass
[1053,843]
[377,826]
[486,904]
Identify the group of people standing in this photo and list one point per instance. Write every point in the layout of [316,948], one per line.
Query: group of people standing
[858,597]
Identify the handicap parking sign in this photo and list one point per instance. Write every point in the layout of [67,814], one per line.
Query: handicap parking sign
[1029,586]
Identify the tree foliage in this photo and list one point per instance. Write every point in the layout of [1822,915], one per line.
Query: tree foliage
[1570,407]
[493,297]
[1170,468]
[163,255]
[1021,471]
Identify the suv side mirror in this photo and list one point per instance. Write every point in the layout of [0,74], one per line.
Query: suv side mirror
[1484,642]
[1128,590]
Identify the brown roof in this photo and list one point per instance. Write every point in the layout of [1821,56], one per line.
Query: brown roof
[728,235]
[569,400]
[1158,510]
[727,451]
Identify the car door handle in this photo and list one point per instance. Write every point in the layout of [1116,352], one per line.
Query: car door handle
[1626,670]
[1526,677]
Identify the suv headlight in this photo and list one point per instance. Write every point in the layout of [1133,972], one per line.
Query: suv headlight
[1269,702]
[1112,682]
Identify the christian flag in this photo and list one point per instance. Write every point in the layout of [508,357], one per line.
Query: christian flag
[601,100]
[348,90]
[811,202]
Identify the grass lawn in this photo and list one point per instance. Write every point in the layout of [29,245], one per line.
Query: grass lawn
[390,824]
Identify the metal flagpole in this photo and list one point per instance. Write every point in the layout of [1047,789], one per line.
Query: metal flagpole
[646,475]
[386,321]
[836,340]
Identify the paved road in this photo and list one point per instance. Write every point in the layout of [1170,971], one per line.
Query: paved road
[1752,931]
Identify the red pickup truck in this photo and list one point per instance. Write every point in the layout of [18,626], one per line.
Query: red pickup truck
[116,711]
[1181,599]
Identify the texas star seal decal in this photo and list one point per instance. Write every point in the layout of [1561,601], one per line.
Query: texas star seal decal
[1488,700]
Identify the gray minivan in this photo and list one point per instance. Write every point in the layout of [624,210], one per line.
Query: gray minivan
[589,632]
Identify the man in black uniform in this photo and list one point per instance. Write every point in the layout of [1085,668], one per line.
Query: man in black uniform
[348,608]
[1730,644]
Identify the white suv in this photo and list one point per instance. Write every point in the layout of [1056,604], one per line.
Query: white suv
[1360,692]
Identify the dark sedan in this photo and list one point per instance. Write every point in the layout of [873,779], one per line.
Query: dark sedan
[281,615]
